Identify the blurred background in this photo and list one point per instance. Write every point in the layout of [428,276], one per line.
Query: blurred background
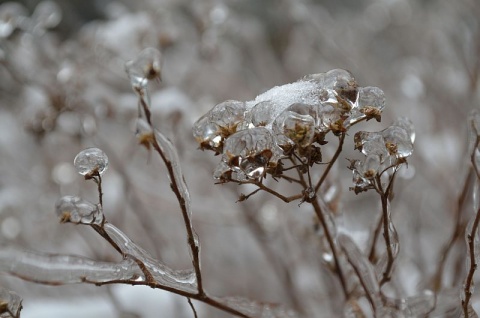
[63,88]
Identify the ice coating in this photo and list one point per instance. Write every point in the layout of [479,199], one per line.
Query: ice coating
[91,161]
[64,269]
[76,210]
[249,152]
[144,67]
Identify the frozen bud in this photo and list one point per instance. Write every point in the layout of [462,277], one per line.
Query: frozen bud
[343,83]
[262,114]
[370,166]
[249,152]
[10,14]
[221,121]
[397,141]
[145,67]
[297,127]
[144,133]
[370,102]
[329,118]
[76,210]
[207,134]
[47,14]
[228,115]
[91,161]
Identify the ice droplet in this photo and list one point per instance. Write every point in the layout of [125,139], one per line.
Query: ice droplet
[144,67]
[219,123]
[262,114]
[90,161]
[296,125]
[343,83]
[79,211]
[249,152]
[398,141]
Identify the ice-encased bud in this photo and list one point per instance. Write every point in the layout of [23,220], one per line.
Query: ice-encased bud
[146,66]
[262,114]
[370,104]
[219,123]
[90,161]
[47,14]
[207,133]
[248,153]
[398,141]
[370,166]
[343,83]
[296,124]
[77,210]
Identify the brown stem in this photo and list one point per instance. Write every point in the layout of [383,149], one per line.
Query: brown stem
[275,193]
[192,307]
[386,229]
[378,227]
[473,264]
[331,243]
[332,161]
[186,218]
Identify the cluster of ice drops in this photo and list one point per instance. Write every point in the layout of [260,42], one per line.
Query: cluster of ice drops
[293,120]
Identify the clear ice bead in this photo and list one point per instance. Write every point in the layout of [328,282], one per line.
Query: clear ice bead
[146,66]
[299,128]
[343,83]
[262,114]
[398,141]
[371,97]
[77,210]
[228,115]
[90,161]
[207,133]
[249,142]
[370,166]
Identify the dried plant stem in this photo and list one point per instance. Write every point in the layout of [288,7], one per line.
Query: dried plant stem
[331,243]
[472,266]
[193,308]
[471,237]
[186,218]
[275,193]
[341,140]
[386,228]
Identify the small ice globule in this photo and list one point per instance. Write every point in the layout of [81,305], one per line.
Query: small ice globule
[146,66]
[72,209]
[91,161]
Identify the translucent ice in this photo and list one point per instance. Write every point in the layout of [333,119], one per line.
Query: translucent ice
[76,210]
[90,161]
[144,67]
[297,125]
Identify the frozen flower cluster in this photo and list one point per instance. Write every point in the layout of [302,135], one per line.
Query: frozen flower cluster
[383,150]
[291,119]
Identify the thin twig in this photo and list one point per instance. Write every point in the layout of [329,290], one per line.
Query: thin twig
[386,228]
[331,243]
[341,140]
[193,308]
[472,265]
